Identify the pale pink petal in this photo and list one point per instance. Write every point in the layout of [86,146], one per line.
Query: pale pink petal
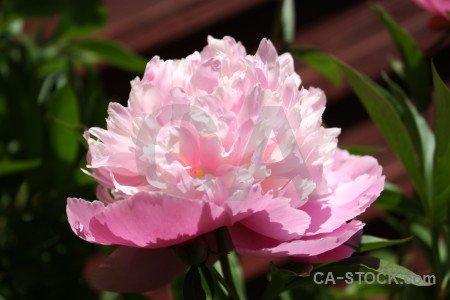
[144,98]
[249,242]
[343,251]
[185,145]
[227,45]
[151,220]
[205,77]
[119,119]
[210,152]
[79,215]
[248,202]
[267,52]
[279,221]
[357,182]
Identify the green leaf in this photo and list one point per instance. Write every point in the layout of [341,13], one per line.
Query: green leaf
[64,119]
[192,285]
[423,239]
[237,274]
[288,21]
[112,53]
[427,147]
[401,103]
[388,121]
[23,116]
[76,17]
[360,150]
[416,67]
[34,8]
[402,274]
[109,296]
[397,96]
[420,133]
[22,196]
[422,233]
[446,280]
[370,242]
[382,269]
[3,107]
[80,17]
[8,167]
[218,276]
[94,101]
[281,278]
[397,67]
[390,197]
[441,98]
[47,86]
[177,287]
[208,282]
[443,250]
[335,272]
[322,63]
[53,66]
[361,291]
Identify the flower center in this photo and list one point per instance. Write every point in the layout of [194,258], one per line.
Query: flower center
[199,173]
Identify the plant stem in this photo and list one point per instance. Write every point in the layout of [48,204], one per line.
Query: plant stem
[222,282]
[221,236]
[436,259]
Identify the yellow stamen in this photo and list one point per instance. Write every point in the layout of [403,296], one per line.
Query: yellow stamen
[199,173]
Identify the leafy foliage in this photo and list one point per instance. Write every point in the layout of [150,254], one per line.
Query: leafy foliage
[45,105]
[369,243]
[423,151]
[416,69]
[321,62]
[442,154]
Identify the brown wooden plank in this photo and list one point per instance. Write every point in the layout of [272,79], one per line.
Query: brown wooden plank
[354,35]
[142,24]
[357,37]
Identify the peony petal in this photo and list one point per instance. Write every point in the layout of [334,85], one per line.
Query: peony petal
[279,221]
[147,219]
[248,202]
[79,213]
[119,119]
[206,76]
[357,182]
[249,242]
[210,152]
[144,97]
[343,251]
[267,52]
[137,270]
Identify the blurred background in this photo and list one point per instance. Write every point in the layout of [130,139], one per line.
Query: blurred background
[62,61]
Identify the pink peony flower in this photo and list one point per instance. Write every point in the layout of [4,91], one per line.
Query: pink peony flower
[441,11]
[220,138]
